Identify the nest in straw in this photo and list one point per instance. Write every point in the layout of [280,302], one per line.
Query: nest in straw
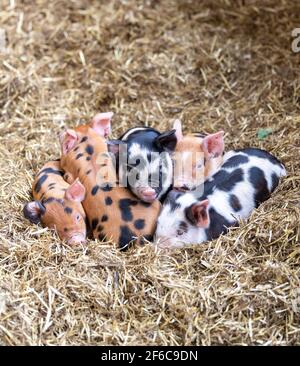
[216,65]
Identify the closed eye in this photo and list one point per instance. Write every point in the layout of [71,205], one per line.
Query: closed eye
[130,167]
[198,166]
[180,232]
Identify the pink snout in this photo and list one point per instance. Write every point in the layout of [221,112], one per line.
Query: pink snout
[77,238]
[164,242]
[147,194]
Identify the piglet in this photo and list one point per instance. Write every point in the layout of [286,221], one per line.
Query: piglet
[57,204]
[196,157]
[144,162]
[246,178]
[114,213]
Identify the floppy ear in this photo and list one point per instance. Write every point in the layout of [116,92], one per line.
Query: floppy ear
[114,146]
[167,140]
[213,145]
[101,123]
[198,214]
[178,128]
[76,192]
[68,140]
[33,211]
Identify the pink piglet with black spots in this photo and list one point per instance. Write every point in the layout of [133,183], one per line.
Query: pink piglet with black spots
[57,204]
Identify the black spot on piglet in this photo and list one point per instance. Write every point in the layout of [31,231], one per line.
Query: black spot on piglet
[101,237]
[95,190]
[126,236]
[68,210]
[51,171]
[139,224]
[89,149]
[125,207]
[100,228]
[83,139]
[108,201]
[231,180]
[40,182]
[260,154]
[94,223]
[235,202]
[48,200]
[106,188]
[275,181]
[259,182]
[235,161]
[145,204]
[219,225]
[183,226]
[104,218]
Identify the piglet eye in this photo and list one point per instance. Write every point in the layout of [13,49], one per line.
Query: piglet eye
[78,217]
[180,232]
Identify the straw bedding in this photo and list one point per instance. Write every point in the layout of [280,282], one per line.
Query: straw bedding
[215,64]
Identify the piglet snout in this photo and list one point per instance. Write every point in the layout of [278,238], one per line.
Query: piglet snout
[163,242]
[147,194]
[76,239]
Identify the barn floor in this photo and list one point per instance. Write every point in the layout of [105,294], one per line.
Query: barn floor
[217,65]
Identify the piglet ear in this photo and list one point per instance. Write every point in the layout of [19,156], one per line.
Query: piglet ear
[167,140]
[33,211]
[178,128]
[213,145]
[68,140]
[101,123]
[114,146]
[76,192]
[198,214]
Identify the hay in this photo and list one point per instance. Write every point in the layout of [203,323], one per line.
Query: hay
[217,65]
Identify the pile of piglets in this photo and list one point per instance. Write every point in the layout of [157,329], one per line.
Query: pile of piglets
[145,185]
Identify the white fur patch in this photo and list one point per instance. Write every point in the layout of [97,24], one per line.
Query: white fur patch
[133,130]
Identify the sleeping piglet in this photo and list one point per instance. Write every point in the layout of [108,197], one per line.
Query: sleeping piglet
[196,157]
[144,162]
[246,178]
[114,213]
[57,204]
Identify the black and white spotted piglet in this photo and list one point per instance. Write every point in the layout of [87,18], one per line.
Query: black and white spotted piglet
[246,178]
[143,159]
